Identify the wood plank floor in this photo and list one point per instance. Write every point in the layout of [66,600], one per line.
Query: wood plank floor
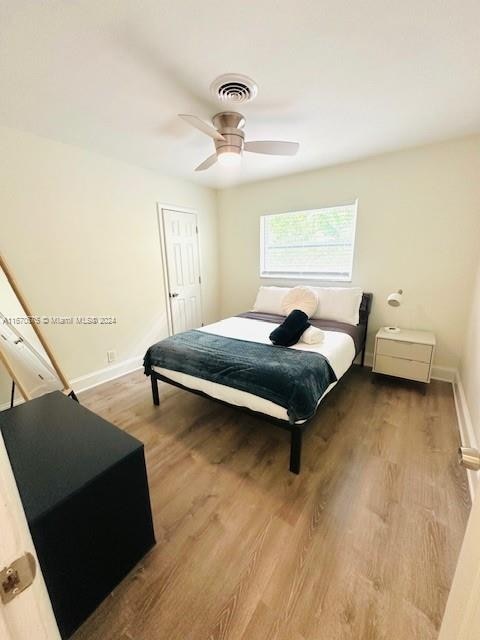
[361,546]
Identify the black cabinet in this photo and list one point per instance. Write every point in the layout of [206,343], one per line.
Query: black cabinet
[84,489]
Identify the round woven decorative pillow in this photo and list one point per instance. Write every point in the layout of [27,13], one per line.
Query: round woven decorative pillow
[303,298]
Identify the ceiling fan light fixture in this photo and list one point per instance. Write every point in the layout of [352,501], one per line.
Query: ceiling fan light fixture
[229,158]
[229,139]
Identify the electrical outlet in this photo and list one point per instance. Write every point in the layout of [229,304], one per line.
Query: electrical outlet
[111,356]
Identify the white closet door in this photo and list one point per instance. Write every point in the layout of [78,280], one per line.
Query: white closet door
[181,243]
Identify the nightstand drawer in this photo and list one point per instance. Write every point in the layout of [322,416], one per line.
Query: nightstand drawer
[401,368]
[407,350]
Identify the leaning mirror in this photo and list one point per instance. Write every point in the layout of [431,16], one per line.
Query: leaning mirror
[28,368]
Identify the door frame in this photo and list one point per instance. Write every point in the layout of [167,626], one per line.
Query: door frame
[161,208]
[30,614]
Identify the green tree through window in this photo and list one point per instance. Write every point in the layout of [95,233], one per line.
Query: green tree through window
[317,243]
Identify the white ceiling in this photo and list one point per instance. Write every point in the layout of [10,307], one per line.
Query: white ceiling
[345,78]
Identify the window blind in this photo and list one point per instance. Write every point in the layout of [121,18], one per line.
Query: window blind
[317,244]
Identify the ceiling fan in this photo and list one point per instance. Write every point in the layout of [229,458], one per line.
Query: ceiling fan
[229,138]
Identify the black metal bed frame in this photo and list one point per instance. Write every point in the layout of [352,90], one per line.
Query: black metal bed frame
[296,430]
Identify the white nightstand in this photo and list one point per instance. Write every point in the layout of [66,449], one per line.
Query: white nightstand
[406,354]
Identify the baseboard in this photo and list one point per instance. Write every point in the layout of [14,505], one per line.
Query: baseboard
[445,374]
[18,400]
[96,378]
[6,405]
[91,380]
[467,433]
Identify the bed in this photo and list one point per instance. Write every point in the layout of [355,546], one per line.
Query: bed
[234,363]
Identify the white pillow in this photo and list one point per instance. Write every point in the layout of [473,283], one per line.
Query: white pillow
[269,300]
[312,335]
[303,298]
[341,304]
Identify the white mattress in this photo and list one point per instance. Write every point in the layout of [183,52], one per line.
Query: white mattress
[337,347]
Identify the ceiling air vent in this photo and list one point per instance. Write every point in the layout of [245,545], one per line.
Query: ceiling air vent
[233,88]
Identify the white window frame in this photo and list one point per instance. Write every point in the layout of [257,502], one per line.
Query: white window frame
[309,276]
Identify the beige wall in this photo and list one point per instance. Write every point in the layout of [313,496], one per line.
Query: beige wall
[470,362]
[418,228]
[80,233]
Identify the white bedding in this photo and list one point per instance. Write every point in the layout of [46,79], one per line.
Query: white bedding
[337,347]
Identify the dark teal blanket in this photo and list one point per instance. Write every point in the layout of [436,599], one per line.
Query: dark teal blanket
[293,379]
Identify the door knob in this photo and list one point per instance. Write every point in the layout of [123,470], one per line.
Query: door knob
[173,295]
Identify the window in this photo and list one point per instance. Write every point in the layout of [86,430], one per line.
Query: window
[314,244]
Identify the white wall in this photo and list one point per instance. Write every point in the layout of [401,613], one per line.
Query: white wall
[470,362]
[418,229]
[79,231]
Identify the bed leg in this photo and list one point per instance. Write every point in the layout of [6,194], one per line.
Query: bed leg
[155,396]
[365,341]
[362,362]
[295,449]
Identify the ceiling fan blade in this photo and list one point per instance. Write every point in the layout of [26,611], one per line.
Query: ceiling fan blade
[204,127]
[272,147]
[206,164]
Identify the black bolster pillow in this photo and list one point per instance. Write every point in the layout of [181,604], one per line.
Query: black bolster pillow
[291,329]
